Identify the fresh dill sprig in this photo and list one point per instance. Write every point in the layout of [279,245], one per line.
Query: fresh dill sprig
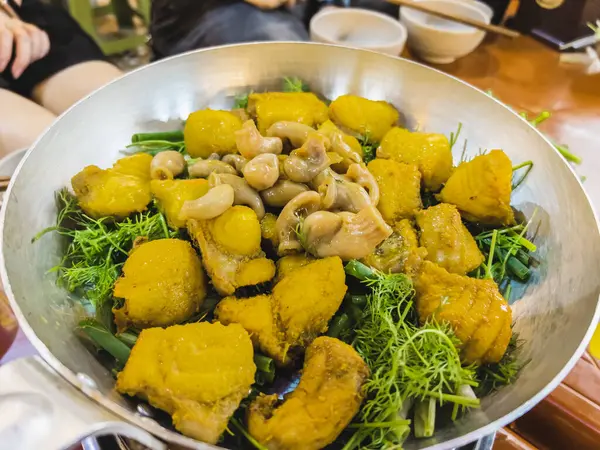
[97,247]
[454,136]
[529,166]
[369,148]
[294,84]
[408,362]
[241,101]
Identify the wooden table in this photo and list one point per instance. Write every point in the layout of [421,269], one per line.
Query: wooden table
[527,75]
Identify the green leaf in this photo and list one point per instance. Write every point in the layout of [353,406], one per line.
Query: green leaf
[104,339]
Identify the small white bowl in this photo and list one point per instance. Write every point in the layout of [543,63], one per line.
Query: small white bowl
[440,41]
[359,28]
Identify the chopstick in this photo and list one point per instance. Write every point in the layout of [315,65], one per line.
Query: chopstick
[464,20]
[4,182]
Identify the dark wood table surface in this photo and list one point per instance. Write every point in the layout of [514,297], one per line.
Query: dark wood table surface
[526,75]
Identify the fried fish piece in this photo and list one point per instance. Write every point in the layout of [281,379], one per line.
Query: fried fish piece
[272,107]
[430,152]
[162,284]
[208,131]
[481,189]
[363,116]
[477,312]
[398,253]
[448,242]
[172,194]
[231,252]
[119,191]
[316,412]
[399,189]
[198,373]
[298,310]
[287,264]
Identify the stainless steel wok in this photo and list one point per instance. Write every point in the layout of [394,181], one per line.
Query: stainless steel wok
[555,315]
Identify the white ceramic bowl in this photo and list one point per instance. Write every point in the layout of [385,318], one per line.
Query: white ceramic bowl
[440,41]
[359,28]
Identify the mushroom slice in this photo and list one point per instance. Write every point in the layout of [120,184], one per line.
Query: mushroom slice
[294,212]
[251,143]
[244,194]
[344,234]
[308,161]
[359,174]
[212,204]
[167,165]
[282,192]
[204,167]
[262,171]
[297,133]
[236,161]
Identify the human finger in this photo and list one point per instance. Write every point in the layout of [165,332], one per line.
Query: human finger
[6,46]
[23,51]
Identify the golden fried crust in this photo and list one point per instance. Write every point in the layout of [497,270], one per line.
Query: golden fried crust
[430,152]
[119,191]
[172,194]
[366,117]
[287,264]
[481,189]
[231,252]
[448,242]
[208,131]
[399,189]
[475,309]
[162,284]
[299,309]
[325,401]
[301,107]
[197,372]
[398,253]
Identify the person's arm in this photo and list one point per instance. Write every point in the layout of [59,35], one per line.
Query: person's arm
[29,42]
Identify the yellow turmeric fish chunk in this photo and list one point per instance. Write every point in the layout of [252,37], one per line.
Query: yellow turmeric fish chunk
[198,373]
[477,312]
[481,189]
[208,131]
[370,118]
[317,411]
[287,264]
[430,152]
[398,253]
[172,194]
[231,252]
[448,242]
[268,230]
[399,189]
[119,191]
[301,107]
[298,310]
[162,284]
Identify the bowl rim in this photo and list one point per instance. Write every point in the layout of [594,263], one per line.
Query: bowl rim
[153,427]
[321,15]
[412,16]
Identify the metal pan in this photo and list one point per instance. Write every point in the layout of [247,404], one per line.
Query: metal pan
[555,315]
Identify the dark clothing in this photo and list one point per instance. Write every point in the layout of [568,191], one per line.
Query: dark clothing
[69,45]
[182,25]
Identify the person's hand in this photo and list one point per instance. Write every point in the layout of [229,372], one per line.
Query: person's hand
[29,41]
[271,4]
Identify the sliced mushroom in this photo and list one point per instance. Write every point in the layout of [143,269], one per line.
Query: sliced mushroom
[212,204]
[296,133]
[214,156]
[359,174]
[204,167]
[291,216]
[244,194]
[308,161]
[282,192]
[236,161]
[339,194]
[344,234]
[262,171]
[251,143]
[167,165]
[339,146]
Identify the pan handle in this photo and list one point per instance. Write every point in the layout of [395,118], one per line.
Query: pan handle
[40,409]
